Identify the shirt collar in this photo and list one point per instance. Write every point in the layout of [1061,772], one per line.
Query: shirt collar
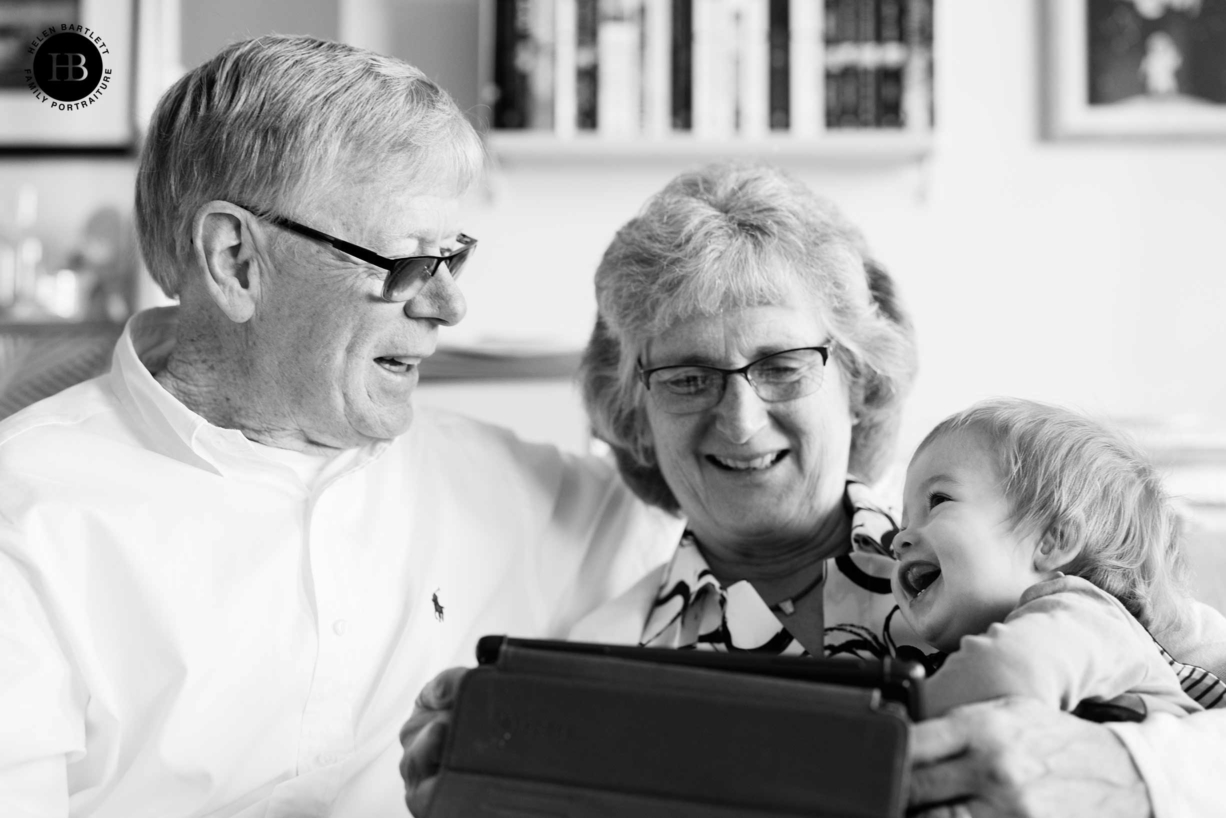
[142,350]
[693,607]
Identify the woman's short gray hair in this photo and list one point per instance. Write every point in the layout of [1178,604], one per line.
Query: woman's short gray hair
[276,123]
[714,240]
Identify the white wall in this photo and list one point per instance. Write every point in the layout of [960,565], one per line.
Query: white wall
[1089,274]
[69,192]
[1086,273]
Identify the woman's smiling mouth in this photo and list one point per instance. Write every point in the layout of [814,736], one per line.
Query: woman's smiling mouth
[759,463]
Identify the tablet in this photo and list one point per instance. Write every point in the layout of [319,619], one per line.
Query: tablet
[582,730]
[897,680]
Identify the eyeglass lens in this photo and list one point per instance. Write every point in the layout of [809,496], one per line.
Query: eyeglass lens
[410,275]
[780,377]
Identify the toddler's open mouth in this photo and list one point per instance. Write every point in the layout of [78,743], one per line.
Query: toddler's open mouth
[917,576]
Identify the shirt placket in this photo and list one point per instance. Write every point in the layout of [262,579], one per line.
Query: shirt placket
[327,736]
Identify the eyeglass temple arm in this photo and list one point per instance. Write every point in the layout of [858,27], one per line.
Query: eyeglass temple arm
[340,244]
[644,374]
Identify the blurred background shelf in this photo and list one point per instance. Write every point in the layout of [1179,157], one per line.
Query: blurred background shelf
[495,363]
[847,146]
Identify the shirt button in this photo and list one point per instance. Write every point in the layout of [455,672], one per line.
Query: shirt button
[339,627]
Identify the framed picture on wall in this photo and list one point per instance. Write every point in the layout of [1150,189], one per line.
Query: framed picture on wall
[67,74]
[1135,68]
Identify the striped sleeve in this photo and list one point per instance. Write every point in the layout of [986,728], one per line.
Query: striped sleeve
[1202,686]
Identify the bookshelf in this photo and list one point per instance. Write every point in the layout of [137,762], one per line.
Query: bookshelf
[819,80]
[862,147]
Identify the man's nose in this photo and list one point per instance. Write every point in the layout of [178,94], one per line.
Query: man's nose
[740,413]
[440,300]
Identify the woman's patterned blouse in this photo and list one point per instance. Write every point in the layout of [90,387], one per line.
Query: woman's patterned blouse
[692,608]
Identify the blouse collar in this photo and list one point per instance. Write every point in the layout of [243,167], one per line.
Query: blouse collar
[692,607]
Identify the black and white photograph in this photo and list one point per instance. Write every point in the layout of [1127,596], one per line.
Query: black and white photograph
[21,22]
[98,116]
[1137,68]
[594,408]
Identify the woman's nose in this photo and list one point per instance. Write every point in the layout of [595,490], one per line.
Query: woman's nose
[440,300]
[740,413]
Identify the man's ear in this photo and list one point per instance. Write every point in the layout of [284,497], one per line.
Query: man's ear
[226,252]
[1056,550]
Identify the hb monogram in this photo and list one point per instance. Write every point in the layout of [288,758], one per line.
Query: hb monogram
[70,66]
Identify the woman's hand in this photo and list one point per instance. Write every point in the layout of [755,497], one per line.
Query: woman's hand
[1017,758]
[424,735]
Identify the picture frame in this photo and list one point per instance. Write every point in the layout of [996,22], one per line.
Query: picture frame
[1147,69]
[30,123]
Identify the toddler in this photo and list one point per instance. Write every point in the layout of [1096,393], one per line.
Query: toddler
[1039,550]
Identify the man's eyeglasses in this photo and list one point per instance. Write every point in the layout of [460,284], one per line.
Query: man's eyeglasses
[406,277]
[787,375]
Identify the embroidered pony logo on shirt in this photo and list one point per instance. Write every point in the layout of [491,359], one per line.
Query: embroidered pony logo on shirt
[438,606]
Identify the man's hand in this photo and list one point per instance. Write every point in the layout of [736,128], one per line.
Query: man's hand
[424,735]
[1017,758]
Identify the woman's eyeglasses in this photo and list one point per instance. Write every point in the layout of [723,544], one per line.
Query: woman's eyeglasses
[406,277]
[780,376]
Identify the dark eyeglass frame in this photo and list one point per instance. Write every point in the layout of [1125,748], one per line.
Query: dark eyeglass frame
[744,372]
[395,288]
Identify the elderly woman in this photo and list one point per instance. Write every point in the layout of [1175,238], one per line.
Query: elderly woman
[747,368]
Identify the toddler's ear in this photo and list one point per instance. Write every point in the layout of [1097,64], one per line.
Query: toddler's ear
[1055,551]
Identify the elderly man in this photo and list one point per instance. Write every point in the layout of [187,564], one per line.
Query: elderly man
[228,566]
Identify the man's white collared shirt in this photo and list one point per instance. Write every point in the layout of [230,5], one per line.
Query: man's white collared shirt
[186,629]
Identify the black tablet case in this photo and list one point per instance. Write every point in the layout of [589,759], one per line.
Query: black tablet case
[579,730]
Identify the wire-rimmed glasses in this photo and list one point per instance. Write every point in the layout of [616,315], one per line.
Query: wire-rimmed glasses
[681,389]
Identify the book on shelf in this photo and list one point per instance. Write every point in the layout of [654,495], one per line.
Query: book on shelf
[806,94]
[779,45]
[524,62]
[565,69]
[830,20]
[917,103]
[540,62]
[751,52]
[890,21]
[510,83]
[657,75]
[587,68]
[718,69]
[714,75]
[619,53]
[889,97]
[866,20]
[878,65]
[681,104]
